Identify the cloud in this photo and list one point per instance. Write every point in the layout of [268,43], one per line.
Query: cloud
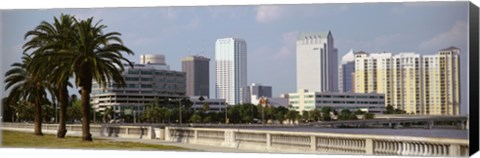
[288,45]
[456,36]
[269,13]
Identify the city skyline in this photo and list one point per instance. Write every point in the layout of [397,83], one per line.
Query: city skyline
[273,51]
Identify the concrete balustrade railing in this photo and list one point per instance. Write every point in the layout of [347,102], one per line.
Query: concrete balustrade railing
[141,132]
[309,142]
[273,141]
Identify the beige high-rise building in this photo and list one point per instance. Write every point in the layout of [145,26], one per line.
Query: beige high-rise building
[442,82]
[373,73]
[427,85]
[407,88]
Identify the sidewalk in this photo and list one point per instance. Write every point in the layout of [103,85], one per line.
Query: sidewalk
[193,147]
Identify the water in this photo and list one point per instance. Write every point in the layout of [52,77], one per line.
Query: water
[437,133]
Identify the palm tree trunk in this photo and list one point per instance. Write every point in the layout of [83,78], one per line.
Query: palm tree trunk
[86,136]
[38,118]
[62,129]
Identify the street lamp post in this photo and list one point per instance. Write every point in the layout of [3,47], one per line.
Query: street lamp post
[134,117]
[179,109]
[226,113]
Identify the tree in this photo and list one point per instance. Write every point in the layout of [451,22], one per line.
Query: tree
[205,107]
[17,111]
[248,112]
[292,115]
[48,111]
[74,112]
[315,114]
[367,116]
[280,114]
[208,118]
[28,87]
[94,55]
[305,116]
[8,111]
[391,110]
[345,114]
[195,118]
[152,111]
[359,112]
[47,41]
[326,116]
[270,112]
[234,115]
[108,114]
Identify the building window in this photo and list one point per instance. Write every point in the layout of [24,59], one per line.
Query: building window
[134,72]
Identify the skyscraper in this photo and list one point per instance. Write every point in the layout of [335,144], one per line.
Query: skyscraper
[427,85]
[197,71]
[345,72]
[317,67]
[231,69]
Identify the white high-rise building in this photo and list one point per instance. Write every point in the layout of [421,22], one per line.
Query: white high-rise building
[317,67]
[231,69]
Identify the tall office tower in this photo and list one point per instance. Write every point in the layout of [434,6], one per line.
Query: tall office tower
[197,75]
[231,69]
[317,67]
[254,92]
[427,85]
[442,82]
[346,72]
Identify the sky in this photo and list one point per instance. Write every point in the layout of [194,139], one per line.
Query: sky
[269,30]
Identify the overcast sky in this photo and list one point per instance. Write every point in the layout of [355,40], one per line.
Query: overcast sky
[270,32]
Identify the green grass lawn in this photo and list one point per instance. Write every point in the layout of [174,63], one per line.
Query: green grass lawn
[27,140]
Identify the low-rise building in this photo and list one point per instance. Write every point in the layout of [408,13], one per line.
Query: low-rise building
[368,102]
[144,82]
[282,100]
[213,104]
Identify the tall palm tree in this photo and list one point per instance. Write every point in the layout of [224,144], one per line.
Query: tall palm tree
[95,56]
[24,85]
[47,41]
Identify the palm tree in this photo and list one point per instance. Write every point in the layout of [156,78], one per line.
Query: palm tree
[26,86]
[95,56]
[108,113]
[47,41]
